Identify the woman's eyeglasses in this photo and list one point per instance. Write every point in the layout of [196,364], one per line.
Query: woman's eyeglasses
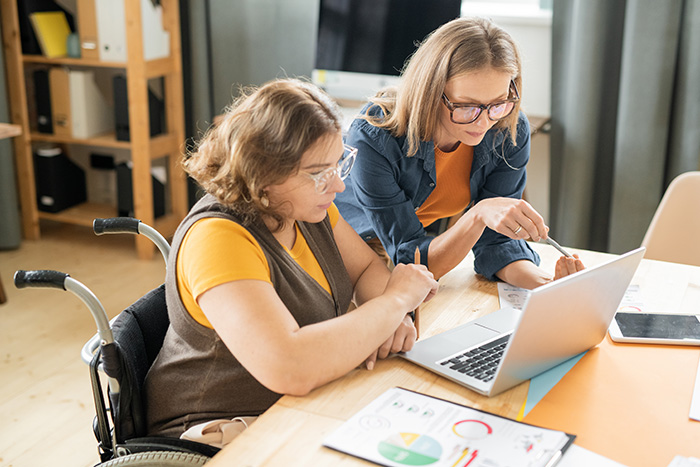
[324,178]
[469,113]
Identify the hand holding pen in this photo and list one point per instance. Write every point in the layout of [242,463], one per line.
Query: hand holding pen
[552,242]
[566,265]
[411,284]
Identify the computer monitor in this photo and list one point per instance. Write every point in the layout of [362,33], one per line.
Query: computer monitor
[362,45]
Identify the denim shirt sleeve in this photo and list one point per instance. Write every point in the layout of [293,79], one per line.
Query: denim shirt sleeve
[505,176]
[382,182]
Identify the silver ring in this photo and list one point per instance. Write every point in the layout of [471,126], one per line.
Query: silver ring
[520,227]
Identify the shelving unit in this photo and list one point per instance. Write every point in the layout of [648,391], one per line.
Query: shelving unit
[144,148]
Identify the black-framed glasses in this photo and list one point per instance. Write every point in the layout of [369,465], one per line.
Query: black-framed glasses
[324,178]
[469,113]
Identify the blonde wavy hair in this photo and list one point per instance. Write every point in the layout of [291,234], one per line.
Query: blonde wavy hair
[260,142]
[461,46]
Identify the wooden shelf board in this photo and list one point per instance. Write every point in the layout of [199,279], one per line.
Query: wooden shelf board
[154,68]
[159,67]
[107,140]
[160,145]
[163,145]
[81,214]
[167,224]
[71,61]
[84,214]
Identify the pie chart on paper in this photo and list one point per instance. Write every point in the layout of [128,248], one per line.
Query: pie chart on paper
[410,449]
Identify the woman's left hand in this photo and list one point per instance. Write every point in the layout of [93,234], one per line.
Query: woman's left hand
[401,341]
[567,265]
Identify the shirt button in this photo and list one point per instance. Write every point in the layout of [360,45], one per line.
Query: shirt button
[368,237]
[416,208]
[432,185]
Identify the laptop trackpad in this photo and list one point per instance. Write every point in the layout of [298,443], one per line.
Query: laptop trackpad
[470,335]
[501,321]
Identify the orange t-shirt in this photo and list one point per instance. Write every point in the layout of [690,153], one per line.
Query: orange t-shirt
[216,251]
[451,194]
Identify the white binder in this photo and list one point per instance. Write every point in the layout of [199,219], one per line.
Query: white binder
[111,30]
[89,107]
[156,40]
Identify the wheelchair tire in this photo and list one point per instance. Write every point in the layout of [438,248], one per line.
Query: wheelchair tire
[157,459]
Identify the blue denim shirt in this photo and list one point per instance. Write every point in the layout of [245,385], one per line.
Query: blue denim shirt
[386,187]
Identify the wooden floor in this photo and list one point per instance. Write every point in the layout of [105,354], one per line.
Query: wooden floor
[46,407]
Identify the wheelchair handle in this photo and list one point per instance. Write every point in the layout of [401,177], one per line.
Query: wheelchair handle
[130,225]
[61,280]
[116,225]
[40,278]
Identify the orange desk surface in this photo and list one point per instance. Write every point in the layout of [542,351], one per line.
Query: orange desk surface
[627,402]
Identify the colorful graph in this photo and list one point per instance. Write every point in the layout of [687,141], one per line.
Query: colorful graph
[410,449]
[471,429]
[374,422]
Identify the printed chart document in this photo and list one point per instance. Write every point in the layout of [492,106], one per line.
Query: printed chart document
[404,428]
[512,296]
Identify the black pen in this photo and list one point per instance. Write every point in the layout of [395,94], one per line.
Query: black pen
[551,241]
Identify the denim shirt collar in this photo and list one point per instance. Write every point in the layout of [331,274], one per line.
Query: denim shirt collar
[426,152]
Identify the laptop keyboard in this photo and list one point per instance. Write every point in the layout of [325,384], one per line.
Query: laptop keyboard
[480,362]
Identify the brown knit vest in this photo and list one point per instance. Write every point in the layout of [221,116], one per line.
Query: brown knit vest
[195,378]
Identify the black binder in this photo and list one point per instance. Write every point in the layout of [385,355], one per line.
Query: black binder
[60,183]
[156,110]
[42,99]
[125,193]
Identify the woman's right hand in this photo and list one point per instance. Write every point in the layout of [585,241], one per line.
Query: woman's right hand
[514,218]
[412,284]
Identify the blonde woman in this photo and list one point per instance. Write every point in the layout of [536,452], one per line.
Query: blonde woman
[451,138]
[263,268]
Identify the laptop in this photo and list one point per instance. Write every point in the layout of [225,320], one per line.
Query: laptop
[558,321]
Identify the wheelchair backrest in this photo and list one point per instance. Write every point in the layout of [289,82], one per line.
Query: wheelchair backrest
[139,332]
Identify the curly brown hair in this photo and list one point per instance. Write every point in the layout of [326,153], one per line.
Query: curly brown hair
[260,142]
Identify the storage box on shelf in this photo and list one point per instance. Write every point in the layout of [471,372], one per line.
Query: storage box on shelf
[141,43]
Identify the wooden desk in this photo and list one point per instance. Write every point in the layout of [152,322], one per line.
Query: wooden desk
[291,432]
[8,130]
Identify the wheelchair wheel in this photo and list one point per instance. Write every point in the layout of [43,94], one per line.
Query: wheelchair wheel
[157,459]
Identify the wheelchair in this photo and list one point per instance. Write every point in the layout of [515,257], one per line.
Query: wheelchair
[124,350]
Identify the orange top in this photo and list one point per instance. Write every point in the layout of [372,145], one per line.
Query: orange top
[451,194]
[232,254]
